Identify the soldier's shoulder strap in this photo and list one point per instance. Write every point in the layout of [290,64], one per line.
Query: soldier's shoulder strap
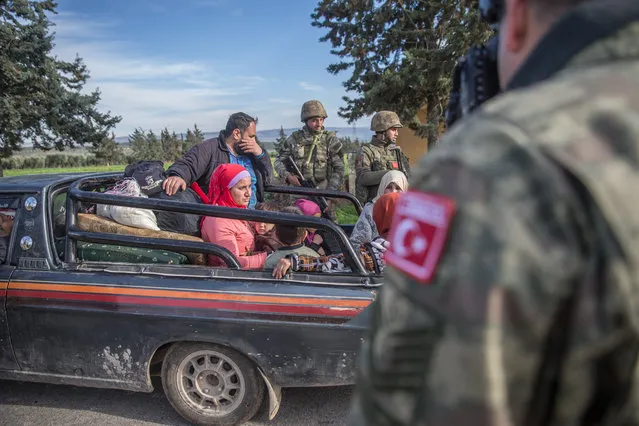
[298,135]
[367,149]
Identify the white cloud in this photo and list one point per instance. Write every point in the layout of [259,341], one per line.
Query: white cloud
[157,91]
[150,91]
[310,87]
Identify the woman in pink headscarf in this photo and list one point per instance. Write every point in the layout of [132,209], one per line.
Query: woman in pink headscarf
[231,187]
[313,240]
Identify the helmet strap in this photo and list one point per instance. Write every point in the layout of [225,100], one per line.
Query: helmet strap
[382,137]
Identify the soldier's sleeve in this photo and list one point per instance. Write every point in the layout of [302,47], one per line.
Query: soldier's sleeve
[285,151]
[364,176]
[460,343]
[337,162]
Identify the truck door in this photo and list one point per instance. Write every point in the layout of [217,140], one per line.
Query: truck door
[7,213]
[7,360]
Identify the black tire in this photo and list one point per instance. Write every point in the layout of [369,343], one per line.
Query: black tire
[194,393]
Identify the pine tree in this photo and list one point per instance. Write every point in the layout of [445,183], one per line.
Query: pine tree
[40,96]
[197,134]
[279,142]
[139,145]
[165,141]
[108,151]
[175,149]
[401,53]
[192,138]
[155,151]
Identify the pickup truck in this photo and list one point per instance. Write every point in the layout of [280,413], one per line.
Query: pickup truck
[75,310]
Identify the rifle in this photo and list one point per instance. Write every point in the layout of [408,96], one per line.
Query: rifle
[400,163]
[292,168]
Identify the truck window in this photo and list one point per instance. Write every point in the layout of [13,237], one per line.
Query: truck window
[7,216]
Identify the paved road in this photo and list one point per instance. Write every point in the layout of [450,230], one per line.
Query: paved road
[38,404]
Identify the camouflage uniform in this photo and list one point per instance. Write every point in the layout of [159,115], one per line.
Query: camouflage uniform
[376,158]
[319,156]
[372,162]
[531,316]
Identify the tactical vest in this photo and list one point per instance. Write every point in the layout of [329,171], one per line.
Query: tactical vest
[382,158]
[312,156]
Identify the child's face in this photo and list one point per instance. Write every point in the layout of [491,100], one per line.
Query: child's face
[6,224]
[262,228]
[313,229]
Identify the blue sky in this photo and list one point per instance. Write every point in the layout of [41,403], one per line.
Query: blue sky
[174,63]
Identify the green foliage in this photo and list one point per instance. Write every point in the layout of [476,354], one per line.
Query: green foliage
[171,145]
[107,151]
[192,138]
[346,214]
[21,172]
[40,96]
[50,161]
[145,146]
[349,145]
[279,142]
[401,53]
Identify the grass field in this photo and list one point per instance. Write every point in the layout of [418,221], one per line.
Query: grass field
[23,172]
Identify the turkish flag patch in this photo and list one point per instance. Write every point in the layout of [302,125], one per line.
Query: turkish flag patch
[418,233]
[395,164]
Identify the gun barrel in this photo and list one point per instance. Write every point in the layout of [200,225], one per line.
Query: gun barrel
[293,166]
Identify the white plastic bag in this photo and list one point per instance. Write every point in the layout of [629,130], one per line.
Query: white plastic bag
[131,216]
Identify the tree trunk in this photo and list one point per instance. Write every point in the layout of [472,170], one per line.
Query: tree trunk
[432,119]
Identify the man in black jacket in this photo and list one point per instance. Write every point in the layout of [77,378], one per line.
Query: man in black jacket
[236,144]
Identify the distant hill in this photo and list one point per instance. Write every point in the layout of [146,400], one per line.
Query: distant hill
[268,137]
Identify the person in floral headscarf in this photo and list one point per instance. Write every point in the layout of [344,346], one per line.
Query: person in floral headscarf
[371,253]
[230,186]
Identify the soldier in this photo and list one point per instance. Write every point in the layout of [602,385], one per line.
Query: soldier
[512,278]
[380,155]
[317,153]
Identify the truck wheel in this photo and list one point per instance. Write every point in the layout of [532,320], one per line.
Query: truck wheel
[209,384]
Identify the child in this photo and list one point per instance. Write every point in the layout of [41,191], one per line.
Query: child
[265,239]
[6,225]
[314,239]
[292,239]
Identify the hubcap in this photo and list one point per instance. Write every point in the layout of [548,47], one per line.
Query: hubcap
[211,381]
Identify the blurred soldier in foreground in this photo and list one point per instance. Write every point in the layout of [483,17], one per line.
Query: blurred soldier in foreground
[512,290]
[379,156]
[317,152]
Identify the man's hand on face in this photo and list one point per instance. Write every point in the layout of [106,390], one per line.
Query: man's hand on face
[250,146]
[172,184]
[293,180]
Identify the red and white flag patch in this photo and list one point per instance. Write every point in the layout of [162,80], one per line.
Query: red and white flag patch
[418,233]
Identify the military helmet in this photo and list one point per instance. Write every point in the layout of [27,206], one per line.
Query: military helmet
[312,109]
[384,120]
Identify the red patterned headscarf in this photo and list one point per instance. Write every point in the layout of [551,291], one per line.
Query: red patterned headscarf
[383,211]
[225,177]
